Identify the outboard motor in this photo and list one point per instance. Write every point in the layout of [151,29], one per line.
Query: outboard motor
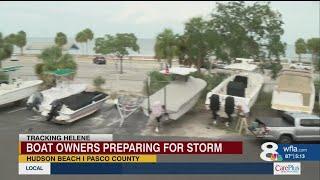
[214,105]
[34,101]
[55,107]
[229,107]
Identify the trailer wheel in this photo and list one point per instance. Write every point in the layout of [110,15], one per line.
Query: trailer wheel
[285,139]
[214,102]
[229,105]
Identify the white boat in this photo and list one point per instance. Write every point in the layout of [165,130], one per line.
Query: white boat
[16,89]
[180,95]
[239,89]
[294,91]
[75,107]
[242,64]
[41,101]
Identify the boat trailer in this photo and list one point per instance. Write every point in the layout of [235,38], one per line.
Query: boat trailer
[127,105]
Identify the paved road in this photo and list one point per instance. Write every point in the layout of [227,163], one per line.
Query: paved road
[131,80]
[16,119]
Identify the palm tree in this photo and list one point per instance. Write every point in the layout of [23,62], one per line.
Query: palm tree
[313,46]
[300,47]
[6,49]
[89,36]
[166,46]
[21,40]
[52,59]
[81,37]
[61,39]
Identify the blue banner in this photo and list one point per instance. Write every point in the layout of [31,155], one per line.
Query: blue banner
[299,152]
[162,168]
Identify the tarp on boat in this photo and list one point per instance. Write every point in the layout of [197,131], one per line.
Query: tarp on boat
[62,72]
[80,100]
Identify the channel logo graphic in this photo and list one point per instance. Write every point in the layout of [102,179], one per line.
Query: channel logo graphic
[287,168]
[269,152]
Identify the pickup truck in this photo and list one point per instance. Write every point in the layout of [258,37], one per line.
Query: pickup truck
[291,126]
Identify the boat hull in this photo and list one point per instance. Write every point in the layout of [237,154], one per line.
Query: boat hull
[181,97]
[66,118]
[20,93]
[291,102]
[185,108]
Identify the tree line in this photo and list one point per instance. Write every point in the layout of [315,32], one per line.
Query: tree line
[233,29]
[310,46]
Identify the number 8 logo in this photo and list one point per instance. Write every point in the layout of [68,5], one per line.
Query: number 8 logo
[268,148]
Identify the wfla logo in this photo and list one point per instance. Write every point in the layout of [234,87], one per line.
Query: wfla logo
[269,152]
[286,168]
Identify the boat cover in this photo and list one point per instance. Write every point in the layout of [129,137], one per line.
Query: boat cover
[77,101]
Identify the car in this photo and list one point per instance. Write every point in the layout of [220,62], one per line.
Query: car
[219,65]
[14,58]
[301,66]
[290,127]
[99,60]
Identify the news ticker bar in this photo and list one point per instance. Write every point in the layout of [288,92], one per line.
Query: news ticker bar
[104,144]
[131,147]
[65,137]
[90,158]
[145,168]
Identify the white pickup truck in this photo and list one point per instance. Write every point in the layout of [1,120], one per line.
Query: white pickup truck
[292,126]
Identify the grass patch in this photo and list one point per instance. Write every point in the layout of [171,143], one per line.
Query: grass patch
[157,81]
[212,81]
[98,82]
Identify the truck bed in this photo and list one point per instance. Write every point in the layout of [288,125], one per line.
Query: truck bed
[274,122]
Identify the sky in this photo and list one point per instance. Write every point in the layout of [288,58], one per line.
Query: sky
[145,19]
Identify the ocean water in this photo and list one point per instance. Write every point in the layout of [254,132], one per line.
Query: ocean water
[146,48]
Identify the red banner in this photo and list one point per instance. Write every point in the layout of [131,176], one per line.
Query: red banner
[137,147]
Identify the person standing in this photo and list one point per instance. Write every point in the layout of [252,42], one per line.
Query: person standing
[157,110]
[243,115]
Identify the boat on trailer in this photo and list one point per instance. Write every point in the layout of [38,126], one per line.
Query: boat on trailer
[294,91]
[16,89]
[180,95]
[41,101]
[75,107]
[239,89]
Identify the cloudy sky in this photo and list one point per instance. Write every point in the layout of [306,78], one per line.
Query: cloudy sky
[145,19]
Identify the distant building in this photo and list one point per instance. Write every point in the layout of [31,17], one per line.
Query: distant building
[44,45]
